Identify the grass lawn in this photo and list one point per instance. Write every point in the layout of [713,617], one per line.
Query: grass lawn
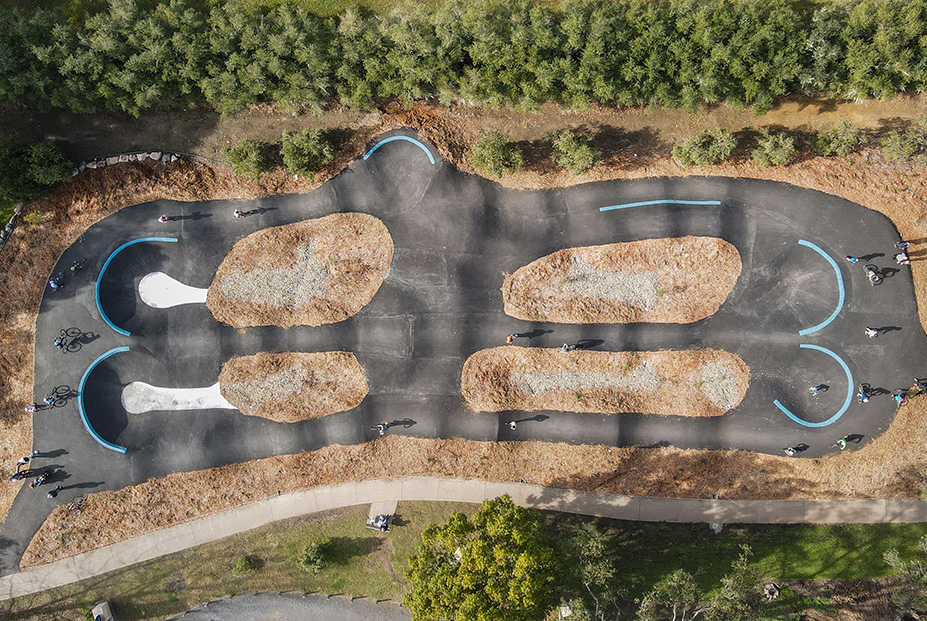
[364,562]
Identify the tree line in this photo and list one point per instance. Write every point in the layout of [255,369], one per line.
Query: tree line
[139,55]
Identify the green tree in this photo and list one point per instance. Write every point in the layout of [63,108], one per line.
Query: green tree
[732,601]
[773,149]
[248,158]
[499,565]
[47,164]
[304,153]
[841,139]
[591,551]
[573,151]
[712,146]
[495,155]
[314,556]
[678,591]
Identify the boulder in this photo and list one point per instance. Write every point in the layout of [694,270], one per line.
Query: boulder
[154,155]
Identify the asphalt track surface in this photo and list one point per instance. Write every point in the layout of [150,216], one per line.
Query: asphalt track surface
[454,235]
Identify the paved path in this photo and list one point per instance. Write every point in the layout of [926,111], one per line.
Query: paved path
[454,235]
[295,607]
[258,514]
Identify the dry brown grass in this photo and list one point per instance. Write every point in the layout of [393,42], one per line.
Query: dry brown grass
[489,381]
[548,290]
[353,249]
[892,466]
[313,385]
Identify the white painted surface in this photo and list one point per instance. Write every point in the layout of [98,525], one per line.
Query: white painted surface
[139,397]
[159,290]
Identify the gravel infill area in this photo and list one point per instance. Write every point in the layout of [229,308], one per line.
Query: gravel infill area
[291,387]
[698,382]
[309,273]
[672,280]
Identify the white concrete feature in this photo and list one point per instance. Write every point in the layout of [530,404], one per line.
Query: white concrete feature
[159,290]
[139,397]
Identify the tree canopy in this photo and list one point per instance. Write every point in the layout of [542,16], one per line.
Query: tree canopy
[498,565]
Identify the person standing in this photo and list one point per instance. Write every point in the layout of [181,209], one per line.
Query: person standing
[872,332]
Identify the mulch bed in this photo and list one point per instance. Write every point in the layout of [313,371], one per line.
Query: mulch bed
[672,383]
[308,273]
[652,280]
[292,387]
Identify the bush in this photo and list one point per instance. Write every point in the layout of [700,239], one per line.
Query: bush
[27,169]
[248,158]
[573,151]
[841,140]
[46,164]
[313,557]
[898,146]
[710,147]
[243,565]
[773,149]
[495,155]
[304,153]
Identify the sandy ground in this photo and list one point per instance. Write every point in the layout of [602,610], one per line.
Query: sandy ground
[892,466]
[695,382]
[291,387]
[652,280]
[309,273]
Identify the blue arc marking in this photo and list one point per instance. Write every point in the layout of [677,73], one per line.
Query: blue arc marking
[840,288]
[661,201]
[80,401]
[103,271]
[846,403]
[407,139]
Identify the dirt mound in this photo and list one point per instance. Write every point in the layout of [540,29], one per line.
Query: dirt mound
[673,280]
[703,382]
[292,387]
[308,273]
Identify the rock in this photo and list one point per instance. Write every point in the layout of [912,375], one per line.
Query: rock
[112,161]
[174,157]
[75,172]
[91,164]
[123,158]
[154,155]
[82,166]
[166,158]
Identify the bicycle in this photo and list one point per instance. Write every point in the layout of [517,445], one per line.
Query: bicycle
[74,508]
[873,275]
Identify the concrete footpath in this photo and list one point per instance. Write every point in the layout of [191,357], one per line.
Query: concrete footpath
[233,521]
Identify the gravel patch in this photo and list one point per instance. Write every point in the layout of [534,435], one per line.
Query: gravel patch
[641,290]
[289,287]
[642,379]
[719,383]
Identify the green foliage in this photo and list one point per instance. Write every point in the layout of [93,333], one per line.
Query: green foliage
[842,139]
[677,591]
[243,565]
[592,558]
[304,153]
[313,557]
[27,169]
[495,155]
[710,147]
[733,601]
[499,565]
[773,149]
[912,596]
[573,151]
[248,158]
[46,164]
[902,145]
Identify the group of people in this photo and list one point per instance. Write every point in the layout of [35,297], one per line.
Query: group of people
[39,480]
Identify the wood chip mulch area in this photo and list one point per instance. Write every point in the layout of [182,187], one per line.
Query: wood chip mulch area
[702,382]
[292,387]
[309,273]
[674,280]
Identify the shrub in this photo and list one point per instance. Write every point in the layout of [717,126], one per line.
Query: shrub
[304,153]
[773,149]
[841,139]
[898,146]
[495,155]
[248,158]
[313,557]
[243,565]
[46,164]
[573,151]
[34,217]
[712,146]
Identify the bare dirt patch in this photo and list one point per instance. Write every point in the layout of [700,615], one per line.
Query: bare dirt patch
[698,382]
[308,273]
[292,387]
[652,280]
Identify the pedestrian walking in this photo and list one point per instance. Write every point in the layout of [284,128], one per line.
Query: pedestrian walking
[77,265]
[513,425]
[566,347]
[238,213]
[162,218]
[852,260]
[841,443]
[815,390]
[902,259]
[902,245]
[790,451]
[510,339]
[30,409]
[872,332]
[55,282]
[54,493]
[862,394]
